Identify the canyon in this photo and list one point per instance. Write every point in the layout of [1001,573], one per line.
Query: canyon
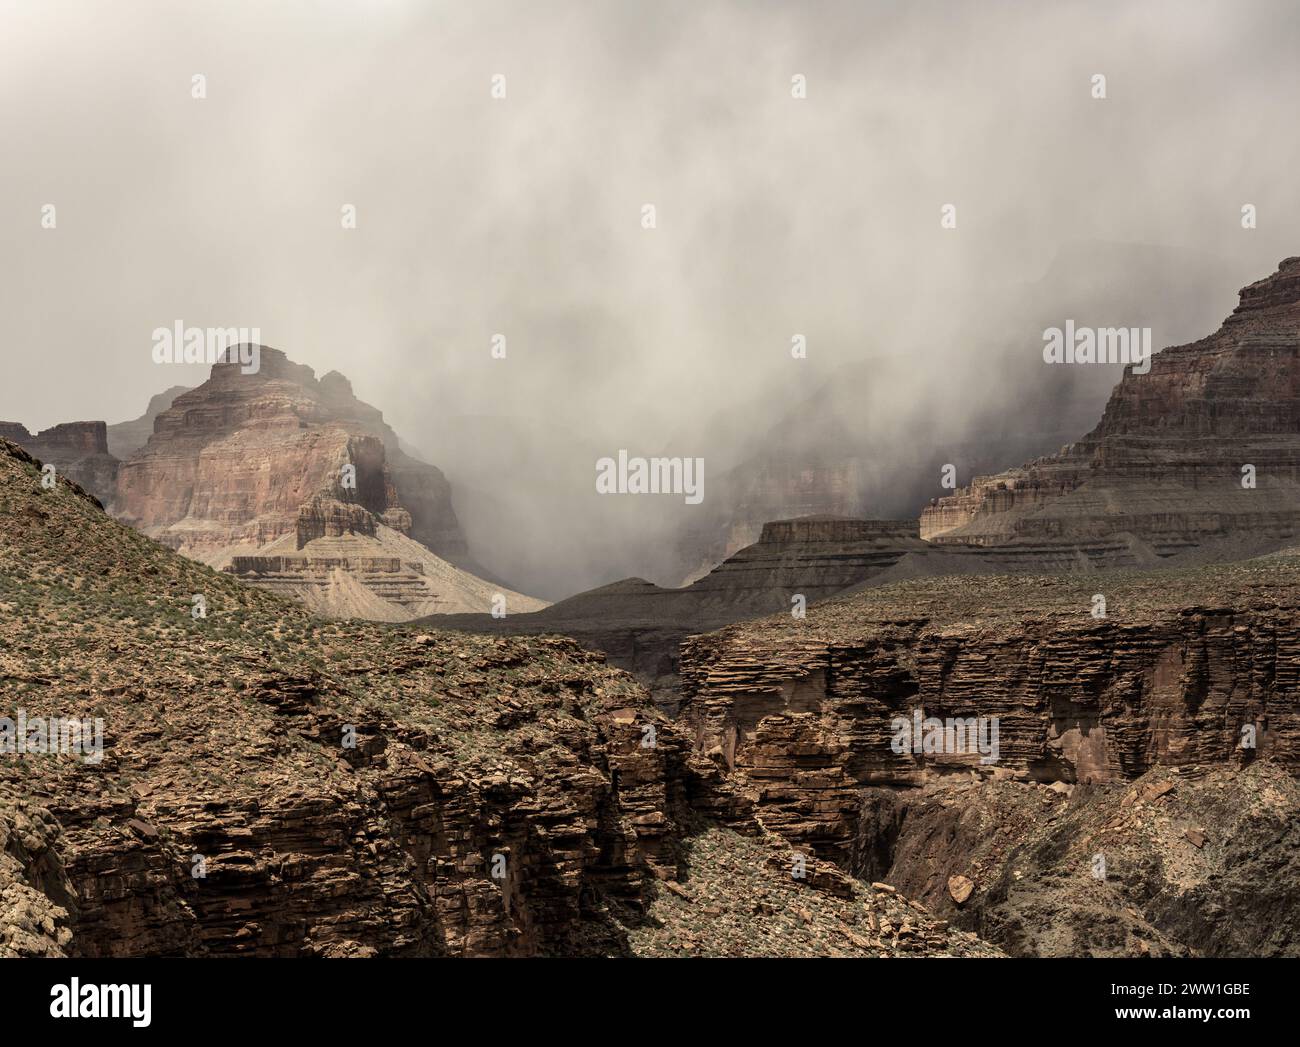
[1190,680]
[1158,481]
[1164,732]
[590,777]
[283,785]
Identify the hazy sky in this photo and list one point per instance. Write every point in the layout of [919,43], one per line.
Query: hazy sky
[522,215]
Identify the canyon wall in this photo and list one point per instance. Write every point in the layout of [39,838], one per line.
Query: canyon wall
[1166,463]
[804,712]
[1140,795]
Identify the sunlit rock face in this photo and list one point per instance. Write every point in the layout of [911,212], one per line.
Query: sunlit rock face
[293,484]
[233,461]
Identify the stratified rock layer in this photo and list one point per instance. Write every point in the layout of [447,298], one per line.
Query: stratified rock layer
[293,484]
[232,462]
[1199,458]
[639,625]
[1182,668]
[1191,674]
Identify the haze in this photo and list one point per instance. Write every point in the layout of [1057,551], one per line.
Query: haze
[522,216]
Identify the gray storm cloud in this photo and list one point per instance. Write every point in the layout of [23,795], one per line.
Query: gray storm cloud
[521,216]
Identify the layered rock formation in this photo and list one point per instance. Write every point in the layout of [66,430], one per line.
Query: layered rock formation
[233,461]
[271,784]
[293,483]
[342,562]
[1163,472]
[639,625]
[827,458]
[78,450]
[1187,669]
[869,438]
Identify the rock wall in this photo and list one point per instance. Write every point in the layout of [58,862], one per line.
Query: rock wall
[392,857]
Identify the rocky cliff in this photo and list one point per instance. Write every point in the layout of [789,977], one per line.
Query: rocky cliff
[233,460]
[294,484]
[1198,459]
[1187,669]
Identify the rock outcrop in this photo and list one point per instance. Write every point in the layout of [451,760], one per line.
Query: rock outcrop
[233,460]
[1199,459]
[37,900]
